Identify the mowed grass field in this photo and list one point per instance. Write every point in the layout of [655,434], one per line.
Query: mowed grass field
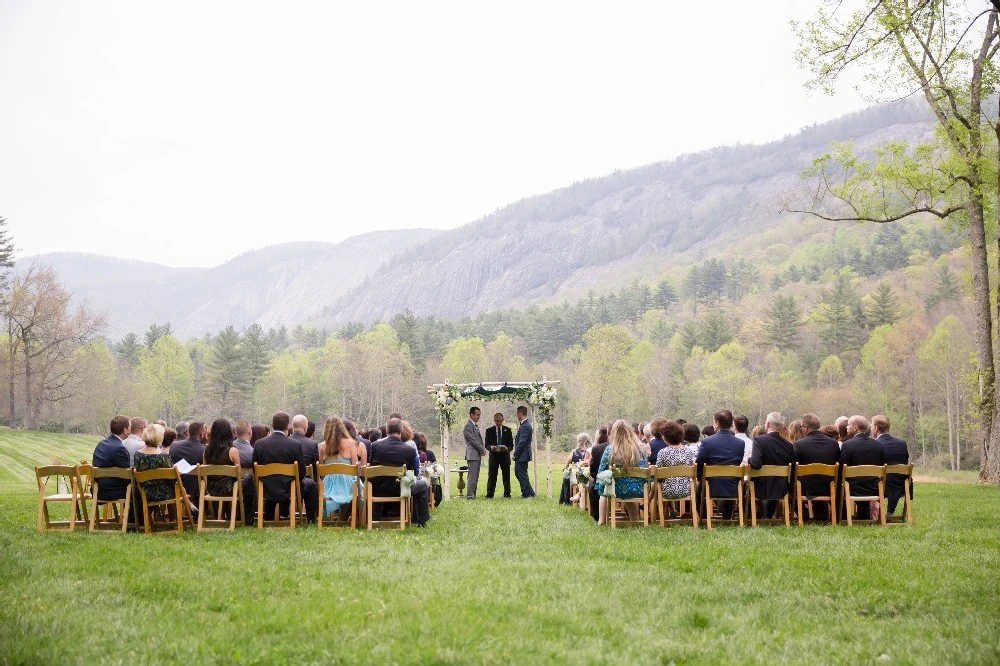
[504,581]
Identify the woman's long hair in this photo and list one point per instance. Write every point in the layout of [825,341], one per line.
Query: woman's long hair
[602,435]
[220,440]
[334,431]
[257,431]
[624,446]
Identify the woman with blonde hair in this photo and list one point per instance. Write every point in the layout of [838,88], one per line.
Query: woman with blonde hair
[624,452]
[339,447]
[796,431]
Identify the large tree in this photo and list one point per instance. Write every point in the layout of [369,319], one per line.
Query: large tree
[945,51]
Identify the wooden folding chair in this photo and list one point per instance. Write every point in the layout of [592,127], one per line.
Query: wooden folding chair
[380,471]
[290,470]
[848,472]
[235,500]
[642,502]
[84,470]
[178,502]
[907,517]
[347,469]
[770,471]
[816,470]
[723,472]
[72,495]
[119,508]
[661,473]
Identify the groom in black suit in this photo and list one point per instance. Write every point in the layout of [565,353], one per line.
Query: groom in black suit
[499,457]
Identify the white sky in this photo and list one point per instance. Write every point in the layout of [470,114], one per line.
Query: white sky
[188,132]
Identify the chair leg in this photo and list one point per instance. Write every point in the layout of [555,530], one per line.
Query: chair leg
[260,505]
[739,502]
[753,506]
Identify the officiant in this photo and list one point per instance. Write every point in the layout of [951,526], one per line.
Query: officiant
[499,442]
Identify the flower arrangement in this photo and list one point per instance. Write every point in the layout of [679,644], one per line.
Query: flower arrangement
[435,471]
[542,399]
[607,479]
[582,473]
[446,402]
[406,480]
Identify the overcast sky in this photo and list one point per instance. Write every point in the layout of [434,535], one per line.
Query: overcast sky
[187,133]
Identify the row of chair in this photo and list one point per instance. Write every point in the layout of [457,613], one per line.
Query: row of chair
[77,485]
[652,503]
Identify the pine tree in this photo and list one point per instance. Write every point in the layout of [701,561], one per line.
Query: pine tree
[884,306]
[129,348]
[6,254]
[665,295]
[225,367]
[155,332]
[836,315]
[716,331]
[945,288]
[782,324]
[256,361]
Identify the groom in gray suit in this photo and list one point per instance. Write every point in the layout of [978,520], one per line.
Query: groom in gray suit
[474,450]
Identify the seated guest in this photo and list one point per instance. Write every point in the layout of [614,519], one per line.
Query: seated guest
[278,447]
[578,453]
[352,430]
[245,449]
[692,437]
[169,435]
[134,441]
[831,432]
[182,430]
[192,451]
[757,432]
[310,429]
[392,452]
[673,454]
[310,449]
[722,448]
[111,452]
[816,447]
[596,453]
[339,447]
[152,456]
[162,423]
[656,442]
[842,434]
[796,431]
[771,449]
[625,452]
[427,456]
[861,449]
[374,434]
[258,431]
[221,451]
[707,431]
[742,424]
[896,453]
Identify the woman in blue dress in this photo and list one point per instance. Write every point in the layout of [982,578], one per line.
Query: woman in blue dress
[339,447]
[624,452]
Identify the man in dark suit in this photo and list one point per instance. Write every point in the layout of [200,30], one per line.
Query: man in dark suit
[111,452]
[522,452]
[771,449]
[191,450]
[722,448]
[393,452]
[499,442]
[816,447]
[596,453]
[861,449]
[310,449]
[896,453]
[278,447]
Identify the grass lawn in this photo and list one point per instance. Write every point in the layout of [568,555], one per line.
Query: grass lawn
[500,581]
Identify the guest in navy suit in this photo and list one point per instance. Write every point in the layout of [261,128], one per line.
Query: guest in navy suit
[861,449]
[771,449]
[722,448]
[896,453]
[111,452]
[816,447]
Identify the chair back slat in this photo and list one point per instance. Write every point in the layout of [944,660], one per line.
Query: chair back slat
[378,471]
[276,469]
[111,473]
[666,472]
[634,473]
[218,470]
[156,474]
[815,469]
[854,471]
[725,471]
[336,468]
[55,470]
[906,470]
[780,471]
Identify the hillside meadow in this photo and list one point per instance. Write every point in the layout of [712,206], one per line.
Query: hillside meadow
[507,581]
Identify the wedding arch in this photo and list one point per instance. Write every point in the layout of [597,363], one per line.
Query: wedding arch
[540,397]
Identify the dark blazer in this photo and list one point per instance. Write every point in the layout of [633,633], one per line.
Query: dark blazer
[896,453]
[506,439]
[278,448]
[722,448]
[655,446]
[192,451]
[310,450]
[771,449]
[391,452]
[522,445]
[816,448]
[862,450]
[596,453]
[110,452]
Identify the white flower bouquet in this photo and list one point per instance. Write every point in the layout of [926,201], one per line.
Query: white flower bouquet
[446,402]
[582,473]
[542,399]
[406,481]
[607,479]
[434,470]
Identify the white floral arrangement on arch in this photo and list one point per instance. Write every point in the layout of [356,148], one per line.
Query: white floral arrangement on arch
[446,403]
[542,399]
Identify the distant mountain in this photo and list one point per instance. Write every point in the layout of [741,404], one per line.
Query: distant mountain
[600,233]
[278,285]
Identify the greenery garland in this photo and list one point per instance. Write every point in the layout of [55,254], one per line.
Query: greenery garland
[541,397]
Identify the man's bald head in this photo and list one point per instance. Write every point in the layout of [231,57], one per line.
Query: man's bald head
[860,424]
[300,423]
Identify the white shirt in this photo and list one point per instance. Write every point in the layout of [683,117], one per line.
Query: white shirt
[747,447]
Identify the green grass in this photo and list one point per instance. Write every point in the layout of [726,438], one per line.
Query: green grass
[504,581]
